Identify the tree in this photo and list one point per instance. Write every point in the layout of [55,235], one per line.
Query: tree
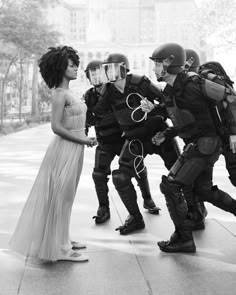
[9,56]
[45,93]
[216,23]
[24,28]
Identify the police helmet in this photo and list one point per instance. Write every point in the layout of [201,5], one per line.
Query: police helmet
[172,51]
[93,72]
[190,53]
[117,58]
[94,64]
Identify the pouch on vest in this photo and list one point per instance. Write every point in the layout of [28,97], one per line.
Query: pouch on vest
[180,118]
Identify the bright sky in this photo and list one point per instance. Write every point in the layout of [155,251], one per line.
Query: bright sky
[198,2]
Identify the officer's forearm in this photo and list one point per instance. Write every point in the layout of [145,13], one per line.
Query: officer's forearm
[170,133]
[159,110]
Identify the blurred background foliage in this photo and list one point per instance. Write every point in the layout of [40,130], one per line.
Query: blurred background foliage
[25,35]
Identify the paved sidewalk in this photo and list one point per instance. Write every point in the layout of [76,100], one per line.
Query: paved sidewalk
[119,265]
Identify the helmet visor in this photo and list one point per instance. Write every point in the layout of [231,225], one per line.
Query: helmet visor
[95,76]
[114,71]
[158,69]
[161,66]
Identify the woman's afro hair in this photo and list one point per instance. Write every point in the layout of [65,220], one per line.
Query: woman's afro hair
[54,63]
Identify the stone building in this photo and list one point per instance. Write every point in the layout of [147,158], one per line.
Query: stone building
[134,27]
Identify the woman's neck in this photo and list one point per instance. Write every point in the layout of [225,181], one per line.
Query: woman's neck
[64,84]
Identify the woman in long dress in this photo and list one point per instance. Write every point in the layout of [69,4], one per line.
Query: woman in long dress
[43,228]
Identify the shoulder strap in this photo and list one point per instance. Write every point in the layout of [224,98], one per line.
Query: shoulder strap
[190,76]
[136,80]
[193,76]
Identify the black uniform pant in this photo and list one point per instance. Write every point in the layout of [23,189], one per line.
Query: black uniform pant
[104,155]
[194,167]
[131,163]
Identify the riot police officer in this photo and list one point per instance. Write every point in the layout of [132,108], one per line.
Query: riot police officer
[196,210]
[215,72]
[110,143]
[123,94]
[189,103]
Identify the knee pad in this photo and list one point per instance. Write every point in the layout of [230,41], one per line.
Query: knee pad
[167,187]
[99,176]
[120,178]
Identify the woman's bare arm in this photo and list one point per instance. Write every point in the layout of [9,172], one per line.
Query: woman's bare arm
[59,102]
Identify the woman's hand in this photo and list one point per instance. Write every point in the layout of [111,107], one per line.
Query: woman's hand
[92,141]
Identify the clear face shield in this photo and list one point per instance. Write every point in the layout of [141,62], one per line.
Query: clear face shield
[95,76]
[161,65]
[114,71]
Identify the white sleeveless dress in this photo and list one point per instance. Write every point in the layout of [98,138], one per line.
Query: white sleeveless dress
[43,228]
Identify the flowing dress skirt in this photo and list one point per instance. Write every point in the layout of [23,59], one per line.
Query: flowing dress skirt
[43,228]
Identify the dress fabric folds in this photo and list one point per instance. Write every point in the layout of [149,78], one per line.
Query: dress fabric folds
[43,227]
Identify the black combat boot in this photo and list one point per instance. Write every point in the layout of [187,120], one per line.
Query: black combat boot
[132,223]
[143,184]
[127,193]
[182,239]
[103,212]
[150,206]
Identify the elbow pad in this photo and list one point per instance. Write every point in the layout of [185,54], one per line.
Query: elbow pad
[218,93]
[214,91]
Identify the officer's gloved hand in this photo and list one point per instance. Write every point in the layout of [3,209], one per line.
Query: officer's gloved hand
[158,138]
[232,143]
[146,105]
